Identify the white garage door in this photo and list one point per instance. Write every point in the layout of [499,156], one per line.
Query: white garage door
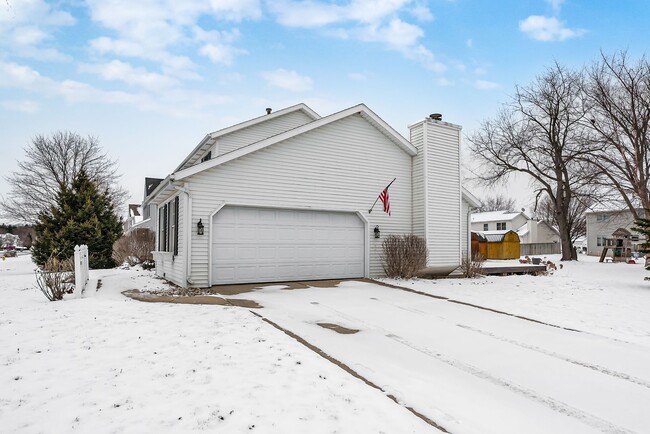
[272,245]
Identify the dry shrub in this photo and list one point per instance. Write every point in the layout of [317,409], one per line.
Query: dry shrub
[56,278]
[472,266]
[404,255]
[134,247]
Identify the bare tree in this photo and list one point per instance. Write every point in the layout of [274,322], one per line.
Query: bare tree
[538,134]
[497,203]
[544,210]
[54,161]
[618,91]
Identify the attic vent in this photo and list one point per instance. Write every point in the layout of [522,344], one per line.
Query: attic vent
[436,116]
[268,110]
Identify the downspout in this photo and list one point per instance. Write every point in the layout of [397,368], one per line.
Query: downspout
[188,233]
[460,197]
[469,231]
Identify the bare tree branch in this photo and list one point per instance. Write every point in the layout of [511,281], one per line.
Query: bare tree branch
[53,161]
[540,134]
[618,92]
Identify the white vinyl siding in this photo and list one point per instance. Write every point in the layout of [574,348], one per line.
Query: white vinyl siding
[439,150]
[417,140]
[168,265]
[603,225]
[342,166]
[261,131]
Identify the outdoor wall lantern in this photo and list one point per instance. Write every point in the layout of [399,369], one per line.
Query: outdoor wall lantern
[377,232]
[199,228]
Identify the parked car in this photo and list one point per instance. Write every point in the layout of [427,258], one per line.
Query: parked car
[638,255]
[9,251]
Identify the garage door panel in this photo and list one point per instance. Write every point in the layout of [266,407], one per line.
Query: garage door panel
[261,244]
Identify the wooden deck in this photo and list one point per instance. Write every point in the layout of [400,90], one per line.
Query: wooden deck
[514,269]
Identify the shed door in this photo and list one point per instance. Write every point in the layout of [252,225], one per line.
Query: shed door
[271,245]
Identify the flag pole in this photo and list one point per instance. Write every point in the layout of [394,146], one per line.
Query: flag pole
[375,203]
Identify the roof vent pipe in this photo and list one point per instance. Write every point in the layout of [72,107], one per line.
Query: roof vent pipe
[268,110]
[436,116]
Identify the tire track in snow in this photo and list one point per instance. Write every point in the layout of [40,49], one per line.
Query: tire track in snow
[554,404]
[597,368]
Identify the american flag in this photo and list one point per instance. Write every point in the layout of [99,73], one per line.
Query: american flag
[385,200]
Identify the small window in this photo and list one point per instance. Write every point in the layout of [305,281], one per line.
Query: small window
[600,241]
[206,157]
[601,217]
[501,226]
[485,226]
[634,237]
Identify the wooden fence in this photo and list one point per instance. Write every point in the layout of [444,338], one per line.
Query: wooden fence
[539,249]
[80,268]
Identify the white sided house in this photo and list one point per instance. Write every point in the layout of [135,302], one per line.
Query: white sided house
[286,196]
[602,225]
[530,231]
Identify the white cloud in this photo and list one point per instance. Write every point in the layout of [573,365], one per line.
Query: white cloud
[485,85]
[357,76]
[23,106]
[397,34]
[556,5]
[173,102]
[547,29]
[21,37]
[218,45]
[153,29]
[365,20]
[121,71]
[310,13]
[287,79]
[421,12]
[469,43]
[17,12]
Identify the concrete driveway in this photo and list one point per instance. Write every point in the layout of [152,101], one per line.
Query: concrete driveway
[468,369]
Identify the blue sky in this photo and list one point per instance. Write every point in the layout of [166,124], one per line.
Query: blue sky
[151,78]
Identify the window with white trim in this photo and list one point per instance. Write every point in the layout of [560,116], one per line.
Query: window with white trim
[485,226]
[501,226]
[600,241]
[601,217]
[168,226]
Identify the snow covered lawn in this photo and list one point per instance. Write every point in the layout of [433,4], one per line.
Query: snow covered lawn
[108,364]
[608,299]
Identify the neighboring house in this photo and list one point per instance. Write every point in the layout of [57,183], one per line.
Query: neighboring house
[25,233]
[530,231]
[602,227]
[580,244]
[286,196]
[498,221]
[136,220]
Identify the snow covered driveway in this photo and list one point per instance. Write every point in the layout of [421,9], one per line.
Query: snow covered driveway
[472,370]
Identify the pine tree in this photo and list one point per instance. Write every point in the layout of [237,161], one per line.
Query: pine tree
[81,215]
[643,227]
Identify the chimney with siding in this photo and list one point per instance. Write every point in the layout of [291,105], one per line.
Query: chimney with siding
[437,191]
